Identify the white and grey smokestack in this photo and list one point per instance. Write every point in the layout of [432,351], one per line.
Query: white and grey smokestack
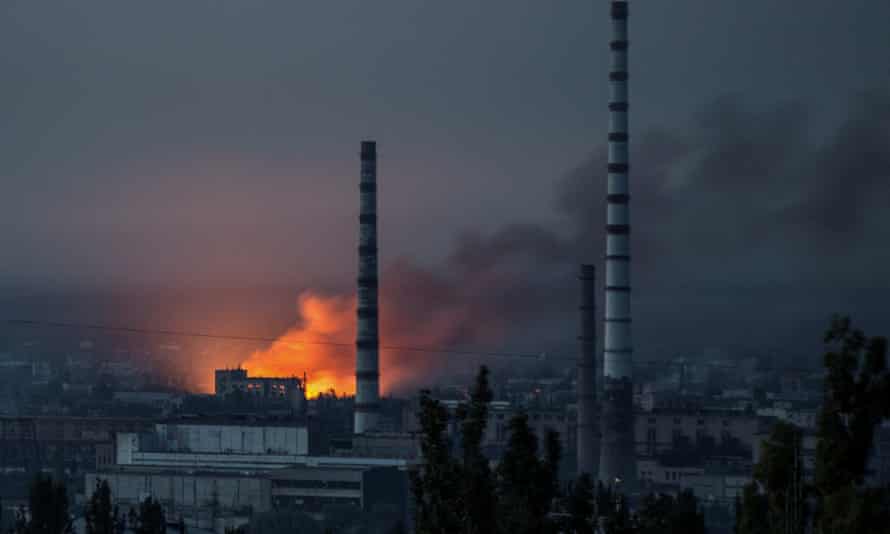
[617,458]
[367,343]
[588,448]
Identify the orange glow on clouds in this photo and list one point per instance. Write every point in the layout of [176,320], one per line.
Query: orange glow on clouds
[322,319]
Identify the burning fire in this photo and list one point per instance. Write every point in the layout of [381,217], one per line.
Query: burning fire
[302,348]
[407,320]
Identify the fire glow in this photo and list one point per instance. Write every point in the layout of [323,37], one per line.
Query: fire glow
[322,342]
[303,347]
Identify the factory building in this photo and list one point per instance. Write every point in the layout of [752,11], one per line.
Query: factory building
[663,431]
[237,381]
[208,470]
[202,497]
[184,492]
[78,442]
[215,443]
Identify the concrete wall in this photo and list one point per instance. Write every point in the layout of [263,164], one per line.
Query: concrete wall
[655,432]
[178,491]
[706,483]
[310,489]
[235,438]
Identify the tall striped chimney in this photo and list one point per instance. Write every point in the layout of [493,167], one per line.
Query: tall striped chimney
[588,448]
[617,458]
[367,343]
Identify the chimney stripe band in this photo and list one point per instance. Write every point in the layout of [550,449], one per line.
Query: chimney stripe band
[367,375]
[618,76]
[619,10]
[618,229]
[618,198]
[618,106]
[621,289]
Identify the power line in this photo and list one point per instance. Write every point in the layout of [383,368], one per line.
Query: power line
[541,356]
[262,339]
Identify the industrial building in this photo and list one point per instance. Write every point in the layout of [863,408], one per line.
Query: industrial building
[663,431]
[204,469]
[237,381]
[74,443]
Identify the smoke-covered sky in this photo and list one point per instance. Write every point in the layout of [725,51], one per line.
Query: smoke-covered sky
[215,144]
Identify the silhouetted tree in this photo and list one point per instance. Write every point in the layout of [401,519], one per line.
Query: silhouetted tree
[779,474]
[462,494]
[132,519]
[437,487]
[752,512]
[99,515]
[615,515]
[685,517]
[580,506]
[151,519]
[477,493]
[857,398]
[48,508]
[120,521]
[281,521]
[525,483]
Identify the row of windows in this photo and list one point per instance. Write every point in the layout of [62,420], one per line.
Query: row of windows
[679,420]
[312,503]
[538,417]
[673,475]
[317,484]
[668,475]
[676,434]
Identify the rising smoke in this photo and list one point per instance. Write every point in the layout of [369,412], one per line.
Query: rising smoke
[748,228]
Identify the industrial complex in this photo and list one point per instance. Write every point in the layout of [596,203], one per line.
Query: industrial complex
[272,446]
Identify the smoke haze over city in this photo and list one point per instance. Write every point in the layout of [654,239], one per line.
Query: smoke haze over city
[428,267]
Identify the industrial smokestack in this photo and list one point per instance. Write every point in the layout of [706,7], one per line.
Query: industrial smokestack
[617,459]
[367,343]
[588,448]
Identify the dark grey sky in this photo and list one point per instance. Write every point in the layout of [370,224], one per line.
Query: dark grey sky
[215,142]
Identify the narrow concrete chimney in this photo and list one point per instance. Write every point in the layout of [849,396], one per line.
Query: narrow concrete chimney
[617,462]
[588,448]
[367,343]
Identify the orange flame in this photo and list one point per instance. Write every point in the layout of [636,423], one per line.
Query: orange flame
[302,349]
